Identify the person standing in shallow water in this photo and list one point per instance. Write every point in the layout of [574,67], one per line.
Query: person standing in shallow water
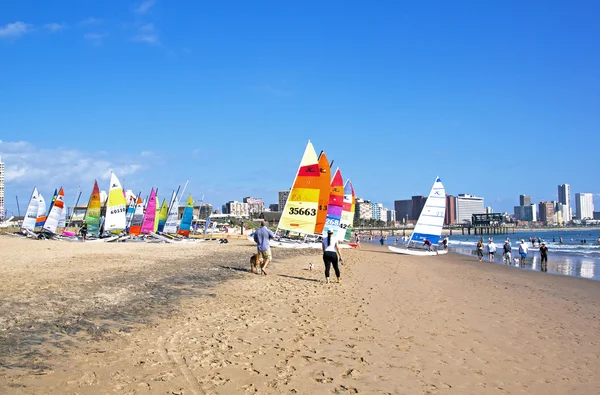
[544,258]
[480,250]
[331,252]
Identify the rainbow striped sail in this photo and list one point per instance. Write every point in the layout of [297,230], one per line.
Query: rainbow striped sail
[324,187]
[186,218]
[336,202]
[347,212]
[93,212]
[55,212]
[162,216]
[115,210]
[138,218]
[300,211]
[150,214]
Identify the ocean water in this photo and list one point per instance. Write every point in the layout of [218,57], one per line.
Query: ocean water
[571,258]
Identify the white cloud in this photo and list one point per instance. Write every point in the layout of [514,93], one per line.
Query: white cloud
[147,34]
[27,166]
[145,6]
[54,27]
[15,30]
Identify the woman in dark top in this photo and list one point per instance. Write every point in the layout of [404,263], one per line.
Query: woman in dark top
[544,257]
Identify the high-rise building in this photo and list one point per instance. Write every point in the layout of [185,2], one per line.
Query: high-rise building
[584,203]
[274,207]
[363,209]
[1,190]
[466,206]
[564,197]
[524,200]
[205,211]
[391,217]
[403,210]
[546,213]
[450,217]
[255,205]
[383,214]
[283,197]
[418,202]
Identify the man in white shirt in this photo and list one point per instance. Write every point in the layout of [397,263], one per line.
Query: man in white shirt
[491,247]
[523,252]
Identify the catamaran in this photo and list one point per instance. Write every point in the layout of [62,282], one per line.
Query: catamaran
[55,212]
[115,219]
[31,215]
[93,212]
[150,214]
[429,225]
[187,217]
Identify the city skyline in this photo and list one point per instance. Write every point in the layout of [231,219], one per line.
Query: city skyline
[228,96]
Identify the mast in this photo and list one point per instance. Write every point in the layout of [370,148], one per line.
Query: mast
[183,192]
[76,203]
[18,208]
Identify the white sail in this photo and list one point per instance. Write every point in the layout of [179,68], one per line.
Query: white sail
[115,209]
[56,212]
[41,213]
[172,218]
[62,222]
[431,221]
[32,210]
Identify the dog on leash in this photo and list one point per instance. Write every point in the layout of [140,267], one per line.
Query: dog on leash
[256,263]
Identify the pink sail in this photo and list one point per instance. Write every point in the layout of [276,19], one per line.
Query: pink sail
[148,224]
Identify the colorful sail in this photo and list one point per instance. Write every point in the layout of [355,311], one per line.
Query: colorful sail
[138,218]
[130,210]
[41,214]
[55,212]
[43,219]
[172,217]
[32,211]
[300,211]
[431,221]
[324,190]
[162,215]
[186,218]
[93,212]
[156,213]
[336,202]
[150,214]
[347,218]
[115,218]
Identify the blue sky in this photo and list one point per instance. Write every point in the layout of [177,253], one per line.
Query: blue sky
[499,98]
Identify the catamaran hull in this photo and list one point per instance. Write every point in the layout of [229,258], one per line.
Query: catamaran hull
[406,251]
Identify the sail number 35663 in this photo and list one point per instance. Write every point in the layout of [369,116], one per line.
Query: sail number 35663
[302,211]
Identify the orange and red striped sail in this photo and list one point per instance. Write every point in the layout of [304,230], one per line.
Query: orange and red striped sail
[336,201]
[300,211]
[324,190]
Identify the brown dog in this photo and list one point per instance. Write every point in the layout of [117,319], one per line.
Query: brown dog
[256,262]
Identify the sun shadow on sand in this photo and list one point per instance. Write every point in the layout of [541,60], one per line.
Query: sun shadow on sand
[299,278]
[238,269]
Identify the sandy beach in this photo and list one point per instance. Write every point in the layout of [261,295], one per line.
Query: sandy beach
[136,318]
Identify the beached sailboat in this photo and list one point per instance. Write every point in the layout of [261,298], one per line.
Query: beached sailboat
[41,213]
[324,184]
[150,214]
[32,212]
[93,212]
[347,218]
[186,218]
[334,208]
[115,219]
[429,225]
[162,215]
[173,217]
[138,218]
[55,212]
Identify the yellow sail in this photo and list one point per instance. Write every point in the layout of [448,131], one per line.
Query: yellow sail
[300,211]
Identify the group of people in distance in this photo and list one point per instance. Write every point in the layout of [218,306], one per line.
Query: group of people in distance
[507,252]
[331,252]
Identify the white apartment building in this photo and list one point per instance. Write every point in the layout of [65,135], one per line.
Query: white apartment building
[283,197]
[391,216]
[1,190]
[236,209]
[466,206]
[383,214]
[584,203]
[363,210]
[255,205]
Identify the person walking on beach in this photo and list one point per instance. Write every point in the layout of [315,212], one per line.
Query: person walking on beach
[331,252]
[523,252]
[544,258]
[507,252]
[480,250]
[261,238]
[83,231]
[445,243]
[491,247]
[382,240]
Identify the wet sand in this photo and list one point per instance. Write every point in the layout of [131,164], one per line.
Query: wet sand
[137,318]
